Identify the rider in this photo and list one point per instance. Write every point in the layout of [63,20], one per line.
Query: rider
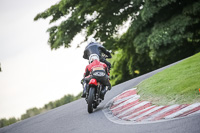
[95,48]
[95,64]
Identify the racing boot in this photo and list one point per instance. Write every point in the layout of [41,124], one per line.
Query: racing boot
[84,92]
[103,92]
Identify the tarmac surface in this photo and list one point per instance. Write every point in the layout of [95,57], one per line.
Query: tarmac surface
[74,118]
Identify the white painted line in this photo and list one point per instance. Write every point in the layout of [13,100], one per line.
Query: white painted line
[146,113]
[190,107]
[123,93]
[136,113]
[123,99]
[133,108]
[163,111]
[127,102]
[197,112]
[126,91]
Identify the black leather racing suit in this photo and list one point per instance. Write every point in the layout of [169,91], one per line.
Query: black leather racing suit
[95,48]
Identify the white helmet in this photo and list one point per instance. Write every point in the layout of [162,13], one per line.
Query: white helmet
[93,57]
[91,40]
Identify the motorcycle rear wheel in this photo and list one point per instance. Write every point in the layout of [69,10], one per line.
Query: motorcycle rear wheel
[91,99]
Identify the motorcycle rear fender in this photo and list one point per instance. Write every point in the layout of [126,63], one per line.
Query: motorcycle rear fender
[93,82]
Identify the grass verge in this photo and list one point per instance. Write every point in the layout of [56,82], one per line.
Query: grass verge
[178,84]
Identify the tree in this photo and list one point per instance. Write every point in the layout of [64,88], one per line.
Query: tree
[30,112]
[6,122]
[160,32]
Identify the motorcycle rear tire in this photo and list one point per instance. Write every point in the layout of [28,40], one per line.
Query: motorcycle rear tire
[91,99]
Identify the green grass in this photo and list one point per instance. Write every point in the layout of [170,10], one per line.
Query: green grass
[178,84]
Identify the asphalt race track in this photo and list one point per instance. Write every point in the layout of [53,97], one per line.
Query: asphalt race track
[74,118]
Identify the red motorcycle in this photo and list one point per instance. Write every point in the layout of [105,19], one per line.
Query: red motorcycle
[95,90]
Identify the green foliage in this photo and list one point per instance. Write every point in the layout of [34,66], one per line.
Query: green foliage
[64,100]
[35,111]
[5,122]
[160,32]
[98,17]
[118,64]
[30,112]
